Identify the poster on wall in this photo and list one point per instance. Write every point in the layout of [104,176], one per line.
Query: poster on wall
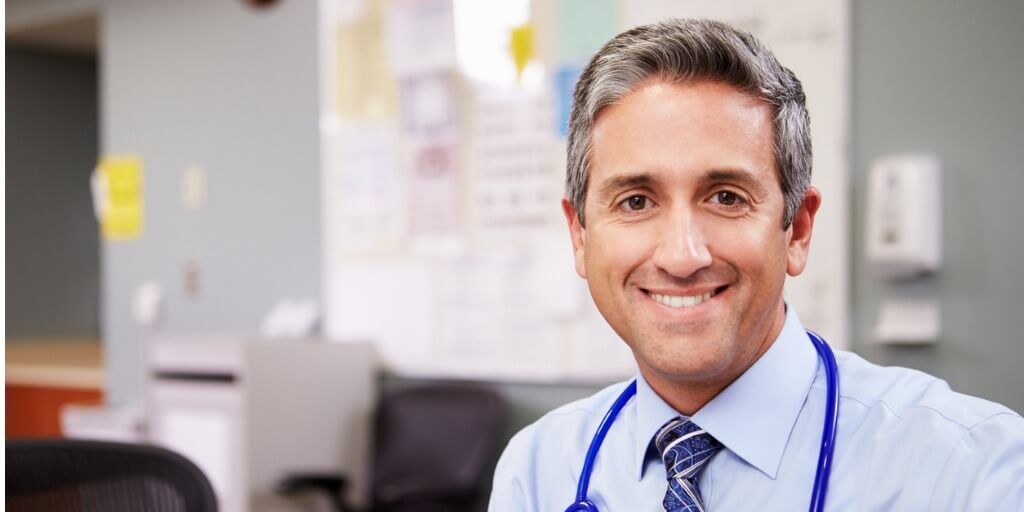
[434,202]
[444,182]
[516,172]
[367,204]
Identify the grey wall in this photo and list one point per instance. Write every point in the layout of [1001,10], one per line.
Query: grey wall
[234,90]
[52,239]
[945,77]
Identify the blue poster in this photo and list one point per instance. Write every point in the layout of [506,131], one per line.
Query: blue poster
[565,82]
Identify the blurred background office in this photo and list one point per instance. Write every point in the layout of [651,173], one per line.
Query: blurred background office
[386,173]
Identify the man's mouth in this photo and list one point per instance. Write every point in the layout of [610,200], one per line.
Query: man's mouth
[683,301]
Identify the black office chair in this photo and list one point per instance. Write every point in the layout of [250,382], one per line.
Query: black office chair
[87,476]
[433,445]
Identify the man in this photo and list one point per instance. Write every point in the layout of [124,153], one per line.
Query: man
[689,201]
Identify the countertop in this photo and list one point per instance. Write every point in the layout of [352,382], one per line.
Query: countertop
[75,363]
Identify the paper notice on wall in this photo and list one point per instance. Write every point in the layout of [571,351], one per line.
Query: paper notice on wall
[434,192]
[388,302]
[365,193]
[367,89]
[516,171]
[558,291]
[491,316]
[118,196]
[421,36]
[428,104]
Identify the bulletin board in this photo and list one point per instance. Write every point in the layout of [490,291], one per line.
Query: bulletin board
[443,139]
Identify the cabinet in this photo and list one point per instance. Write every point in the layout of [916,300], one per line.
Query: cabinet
[249,411]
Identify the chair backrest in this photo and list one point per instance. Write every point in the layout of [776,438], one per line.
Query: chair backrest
[81,475]
[436,436]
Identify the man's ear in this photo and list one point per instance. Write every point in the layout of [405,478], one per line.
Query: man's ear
[578,234]
[800,235]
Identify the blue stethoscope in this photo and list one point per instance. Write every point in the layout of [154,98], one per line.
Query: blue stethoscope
[828,434]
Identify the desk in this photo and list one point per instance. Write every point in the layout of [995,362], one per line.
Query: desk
[43,375]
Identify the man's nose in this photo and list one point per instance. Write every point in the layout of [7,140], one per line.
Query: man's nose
[682,247]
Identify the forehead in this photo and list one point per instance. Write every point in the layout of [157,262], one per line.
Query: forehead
[683,132]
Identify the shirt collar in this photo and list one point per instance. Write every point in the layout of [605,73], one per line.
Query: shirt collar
[651,414]
[770,394]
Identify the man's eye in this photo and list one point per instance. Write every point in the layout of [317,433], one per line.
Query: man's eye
[727,198]
[636,203]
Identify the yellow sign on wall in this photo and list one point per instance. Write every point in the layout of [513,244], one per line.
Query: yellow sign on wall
[120,198]
[521,46]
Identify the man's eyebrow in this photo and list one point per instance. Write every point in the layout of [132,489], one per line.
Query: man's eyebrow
[740,176]
[616,183]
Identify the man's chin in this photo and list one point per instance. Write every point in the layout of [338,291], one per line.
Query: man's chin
[695,366]
[698,376]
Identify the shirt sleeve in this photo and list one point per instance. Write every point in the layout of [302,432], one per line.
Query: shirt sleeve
[985,470]
[508,491]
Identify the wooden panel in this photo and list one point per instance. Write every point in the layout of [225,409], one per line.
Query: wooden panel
[34,411]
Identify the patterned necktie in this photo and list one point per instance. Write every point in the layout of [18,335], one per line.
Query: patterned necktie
[686,449]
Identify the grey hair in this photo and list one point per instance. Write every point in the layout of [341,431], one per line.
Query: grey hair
[681,51]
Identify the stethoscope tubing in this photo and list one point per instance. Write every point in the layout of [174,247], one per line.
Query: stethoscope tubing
[582,503]
[831,428]
[825,454]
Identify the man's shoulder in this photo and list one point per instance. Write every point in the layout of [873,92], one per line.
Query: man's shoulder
[919,445]
[907,395]
[535,461]
[562,431]
[579,416]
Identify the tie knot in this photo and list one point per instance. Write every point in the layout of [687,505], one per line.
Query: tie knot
[685,448]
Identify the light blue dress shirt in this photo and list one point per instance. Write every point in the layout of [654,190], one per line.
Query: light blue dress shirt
[905,442]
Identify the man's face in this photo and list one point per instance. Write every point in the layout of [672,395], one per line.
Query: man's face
[683,248]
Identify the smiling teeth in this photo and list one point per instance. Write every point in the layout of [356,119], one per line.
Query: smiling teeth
[675,301]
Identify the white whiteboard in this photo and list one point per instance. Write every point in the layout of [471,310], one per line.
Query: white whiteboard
[443,237]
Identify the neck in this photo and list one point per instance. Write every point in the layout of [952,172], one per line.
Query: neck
[689,395]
